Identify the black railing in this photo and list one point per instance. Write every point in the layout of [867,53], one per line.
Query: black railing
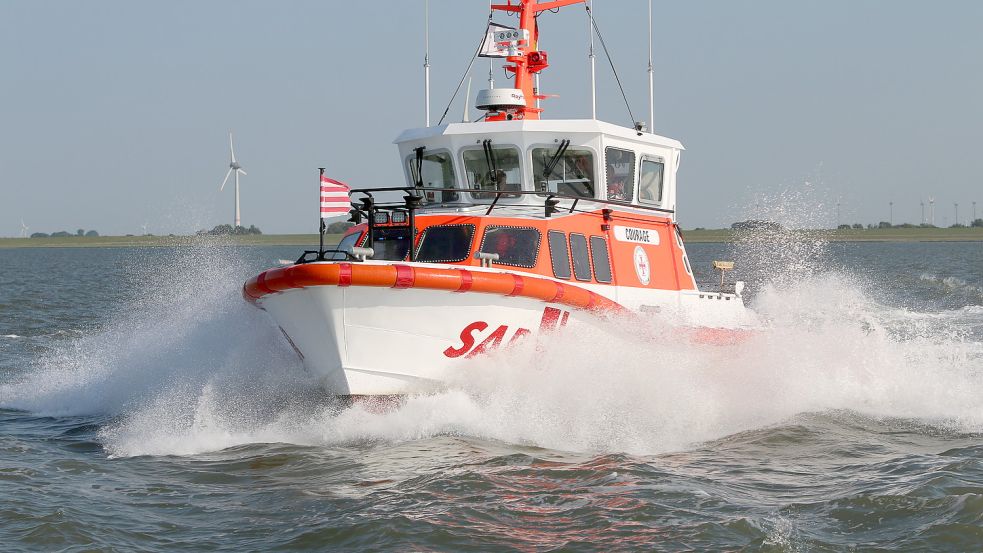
[414,200]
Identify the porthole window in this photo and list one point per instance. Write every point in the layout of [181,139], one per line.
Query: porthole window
[516,246]
[581,259]
[600,259]
[445,243]
[559,254]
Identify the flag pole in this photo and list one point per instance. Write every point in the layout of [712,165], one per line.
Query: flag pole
[320,217]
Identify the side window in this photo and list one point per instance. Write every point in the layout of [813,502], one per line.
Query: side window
[601,261]
[620,171]
[345,246]
[435,170]
[492,168]
[445,243]
[581,260]
[517,246]
[559,254]
[561,170]
[650,181]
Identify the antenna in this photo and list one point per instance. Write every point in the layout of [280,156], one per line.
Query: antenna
[465,118]
[234,167]
[651,81]
[590,55]
[426,58]
[491,67]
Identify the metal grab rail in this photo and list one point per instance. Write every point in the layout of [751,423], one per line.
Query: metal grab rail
[498,194]
[414,201]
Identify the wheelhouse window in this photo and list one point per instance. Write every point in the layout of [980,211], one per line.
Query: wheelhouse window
[559,254]
[492,169]
[434,170]
[517,246]
[581,259]
[620,171]
[650,181]
[600,259]
[391,244]
[563,170]
[445,243]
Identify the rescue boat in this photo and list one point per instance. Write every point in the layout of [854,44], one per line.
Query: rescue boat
[507,229]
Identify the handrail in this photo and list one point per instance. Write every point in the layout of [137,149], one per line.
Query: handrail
[498,194]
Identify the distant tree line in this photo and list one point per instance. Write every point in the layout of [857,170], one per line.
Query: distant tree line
[338,227]
[885,224]
[229,230]
[63,233]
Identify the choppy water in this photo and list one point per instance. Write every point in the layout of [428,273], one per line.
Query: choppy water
[145,406]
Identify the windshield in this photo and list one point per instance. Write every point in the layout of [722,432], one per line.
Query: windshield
[345,245]
[571,172]
[391,244]
[493,168]
[437,171]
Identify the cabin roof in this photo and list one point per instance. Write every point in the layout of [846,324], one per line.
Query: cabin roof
[543,125]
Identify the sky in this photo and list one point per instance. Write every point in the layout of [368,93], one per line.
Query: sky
[115,114]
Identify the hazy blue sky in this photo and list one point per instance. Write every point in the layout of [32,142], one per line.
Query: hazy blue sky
[113,114]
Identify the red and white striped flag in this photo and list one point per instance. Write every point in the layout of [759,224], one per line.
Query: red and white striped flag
[334,198]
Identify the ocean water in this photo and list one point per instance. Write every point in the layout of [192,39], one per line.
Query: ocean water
[145,406]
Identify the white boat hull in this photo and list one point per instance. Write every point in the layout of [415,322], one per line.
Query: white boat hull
[385,341]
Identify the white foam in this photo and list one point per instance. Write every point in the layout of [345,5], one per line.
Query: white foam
[830,348]
[192,369]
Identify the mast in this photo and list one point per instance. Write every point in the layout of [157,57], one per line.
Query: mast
[426,59]
[529,60]
[593,73]
[651,82]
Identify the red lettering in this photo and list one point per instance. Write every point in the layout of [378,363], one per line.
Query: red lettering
[519,333]
[467,339]
[491,342]
[550,317]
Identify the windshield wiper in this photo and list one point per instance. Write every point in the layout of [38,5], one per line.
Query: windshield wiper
[552,163]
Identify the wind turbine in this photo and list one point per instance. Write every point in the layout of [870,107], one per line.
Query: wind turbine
[23,229]
[234,167]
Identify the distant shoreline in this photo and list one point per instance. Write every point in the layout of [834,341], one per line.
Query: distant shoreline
[970,234]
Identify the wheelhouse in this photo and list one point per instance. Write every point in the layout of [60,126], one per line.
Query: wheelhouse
[585,159]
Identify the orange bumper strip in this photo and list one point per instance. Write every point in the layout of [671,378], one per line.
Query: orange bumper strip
[426,278]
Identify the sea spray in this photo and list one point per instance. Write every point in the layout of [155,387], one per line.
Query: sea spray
[189,367]
[637,393]
[186,327]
